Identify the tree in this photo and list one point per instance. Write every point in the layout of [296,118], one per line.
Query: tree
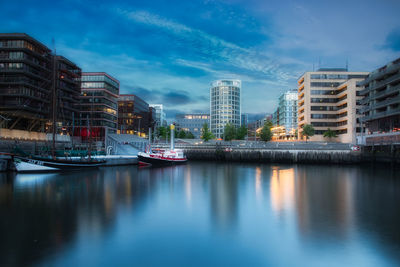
[266,133]
[162,132]
[206,134]
[269,123]
[181,134]
[330,134]
[189,135]
[308,130]
[241,132]
[229,132]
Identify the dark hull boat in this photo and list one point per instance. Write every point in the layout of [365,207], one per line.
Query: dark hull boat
[170,157]
[159,157]
[37,164]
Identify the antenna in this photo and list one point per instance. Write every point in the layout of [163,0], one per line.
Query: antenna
[319,62]
[53,44]
[347,64]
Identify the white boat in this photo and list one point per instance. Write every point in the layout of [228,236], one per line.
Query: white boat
[36,164]
[162,156]
[112,160]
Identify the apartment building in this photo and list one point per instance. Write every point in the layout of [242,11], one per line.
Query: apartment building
[25,83]
[382,104]
[330,99]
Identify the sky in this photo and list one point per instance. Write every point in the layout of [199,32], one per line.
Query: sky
[169,52]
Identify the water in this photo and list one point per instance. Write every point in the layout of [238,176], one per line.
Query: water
[202,214]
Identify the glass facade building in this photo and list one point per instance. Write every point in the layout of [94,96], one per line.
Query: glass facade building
[160,117]
[287,111]
[99,105]
[225,106]
[133,115]
[192,123]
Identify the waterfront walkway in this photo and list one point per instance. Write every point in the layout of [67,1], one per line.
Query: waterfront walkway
[199,144]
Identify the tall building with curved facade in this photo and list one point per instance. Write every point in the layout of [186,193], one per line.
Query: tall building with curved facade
[225,105]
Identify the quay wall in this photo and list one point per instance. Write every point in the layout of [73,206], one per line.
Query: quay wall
[294,153]
[275,156]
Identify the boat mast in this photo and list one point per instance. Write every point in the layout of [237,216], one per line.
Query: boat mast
[149,140]
[89,138]
[172,136]
[54,104]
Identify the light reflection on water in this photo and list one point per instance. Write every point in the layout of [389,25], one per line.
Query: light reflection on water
[202,214]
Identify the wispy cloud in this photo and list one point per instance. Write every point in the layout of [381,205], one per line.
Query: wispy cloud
[212,49]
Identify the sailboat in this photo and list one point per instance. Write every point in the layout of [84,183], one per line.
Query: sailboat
[52,163]
[163,156]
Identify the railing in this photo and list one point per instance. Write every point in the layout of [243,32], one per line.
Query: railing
[386,102]
[389,90]
[377,74]
[395,77]
[380,115]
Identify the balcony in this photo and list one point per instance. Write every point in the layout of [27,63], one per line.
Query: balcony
[383,83]
[365,90]
[379,115]
[391,67]
[388,91]
[384,103]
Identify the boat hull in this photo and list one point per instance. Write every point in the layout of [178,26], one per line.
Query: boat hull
[23,164]
[160,161]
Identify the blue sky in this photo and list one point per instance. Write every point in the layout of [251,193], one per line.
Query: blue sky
[169,51]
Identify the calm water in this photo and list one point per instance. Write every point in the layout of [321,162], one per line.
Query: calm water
[202,214]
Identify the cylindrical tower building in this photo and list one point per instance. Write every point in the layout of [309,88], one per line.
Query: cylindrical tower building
[225,105]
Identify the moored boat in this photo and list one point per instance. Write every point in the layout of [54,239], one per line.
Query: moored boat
[39,164]
[163,157]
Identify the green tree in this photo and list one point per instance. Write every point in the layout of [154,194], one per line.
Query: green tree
[181,134]
[162,132]
[229,132]
[189,135]
[308,130]
[206,134]
[269,123]
[241,132]
[330,134]
[266,133]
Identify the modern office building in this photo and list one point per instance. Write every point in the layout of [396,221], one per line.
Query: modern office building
[287,111]
[382,104]
[329,99]
[160,115]
[25,83]
[244,120]
[275,117]
[133,115]
[152,119]
[225,105]
[68,90]
[192,122]
[99,106]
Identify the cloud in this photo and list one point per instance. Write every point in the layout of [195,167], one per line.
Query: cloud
[208,48]
[177,98]
[393,40]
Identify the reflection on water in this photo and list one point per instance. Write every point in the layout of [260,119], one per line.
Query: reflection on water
[202,214]
[282,189]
